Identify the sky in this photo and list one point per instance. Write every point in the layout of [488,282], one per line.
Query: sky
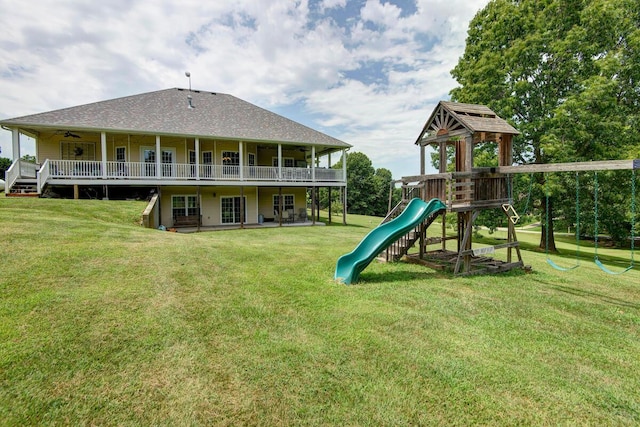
[368,72]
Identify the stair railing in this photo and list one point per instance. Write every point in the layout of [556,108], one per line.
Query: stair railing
[43,176]
[11,175]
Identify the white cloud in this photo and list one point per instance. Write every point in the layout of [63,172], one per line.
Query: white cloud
[368,74]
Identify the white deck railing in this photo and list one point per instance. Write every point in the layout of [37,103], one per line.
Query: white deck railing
[79,169]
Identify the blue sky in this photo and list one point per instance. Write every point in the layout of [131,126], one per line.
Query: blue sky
[368,72]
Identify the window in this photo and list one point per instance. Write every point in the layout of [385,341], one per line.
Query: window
[288,202]
[184,206]
[121,154]
[121,157]
[287,162]
[206,169]
[230,210]
[207,157]
[167,162]
[149,158]
[230,162]
[77,150]
[252,164]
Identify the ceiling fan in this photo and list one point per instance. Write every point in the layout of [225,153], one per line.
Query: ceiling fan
[68,134]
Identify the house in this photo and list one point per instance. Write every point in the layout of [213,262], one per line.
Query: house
[210,158]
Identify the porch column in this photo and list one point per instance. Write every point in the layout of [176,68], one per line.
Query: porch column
[313,163]
[241,159]
[279,161]
[158,157]
[197,147]
[103,147]
[344,166]
[15,144]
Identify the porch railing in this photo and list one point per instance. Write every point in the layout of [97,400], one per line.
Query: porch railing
[73,169]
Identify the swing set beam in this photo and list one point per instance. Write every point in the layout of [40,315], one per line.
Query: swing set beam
[603,165]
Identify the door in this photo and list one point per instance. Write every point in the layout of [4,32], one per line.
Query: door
[149,158]
[230,210]
[168,161]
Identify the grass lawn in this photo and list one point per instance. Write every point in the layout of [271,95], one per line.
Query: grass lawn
[103,322]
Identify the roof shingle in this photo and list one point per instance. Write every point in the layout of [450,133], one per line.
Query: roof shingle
[167,112]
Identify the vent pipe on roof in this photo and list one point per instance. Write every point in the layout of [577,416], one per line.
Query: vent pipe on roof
[188,74]
[190,100]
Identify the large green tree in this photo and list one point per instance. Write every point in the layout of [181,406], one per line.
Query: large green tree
[367,187]
[5,164]
[566,73]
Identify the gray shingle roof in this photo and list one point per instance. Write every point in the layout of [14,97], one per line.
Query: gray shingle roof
[166,112]
[473,117]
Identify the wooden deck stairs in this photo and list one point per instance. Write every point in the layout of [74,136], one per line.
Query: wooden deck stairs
[24,188]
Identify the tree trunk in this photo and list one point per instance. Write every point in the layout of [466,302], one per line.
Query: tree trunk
[547,241]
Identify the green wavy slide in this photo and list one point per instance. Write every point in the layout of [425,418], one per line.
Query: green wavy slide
[349,266]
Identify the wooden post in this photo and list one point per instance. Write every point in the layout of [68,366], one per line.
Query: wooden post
[344,207]
[444,231]
[442,147]
[468,148]
[465,227]
[280,206]
[313,205]
[159,205]
[198,206]
[241,207]
[76,192]
[329,191]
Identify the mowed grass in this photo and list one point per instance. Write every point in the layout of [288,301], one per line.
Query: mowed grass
[103,322]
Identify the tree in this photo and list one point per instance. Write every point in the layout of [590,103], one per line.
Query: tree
[565,73]
[360,184]
[367,187]
[5,164]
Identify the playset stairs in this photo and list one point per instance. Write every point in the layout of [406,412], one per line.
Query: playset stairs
[401,246]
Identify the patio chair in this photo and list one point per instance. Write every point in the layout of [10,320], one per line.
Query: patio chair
[302,214]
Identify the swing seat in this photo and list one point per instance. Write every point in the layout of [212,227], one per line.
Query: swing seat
[606,270]
[557,267]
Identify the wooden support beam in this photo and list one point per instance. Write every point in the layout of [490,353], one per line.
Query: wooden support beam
[572,167]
